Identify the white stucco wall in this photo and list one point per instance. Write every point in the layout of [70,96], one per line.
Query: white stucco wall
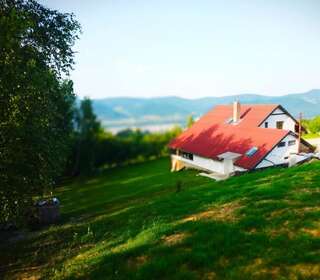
[278,154]
[208,164]
[288,122]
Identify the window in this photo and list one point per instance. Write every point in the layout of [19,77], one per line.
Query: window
[292,142]
[266,124]
[296,128]
[279,124]
[187,155]
[281,144]
[251,152]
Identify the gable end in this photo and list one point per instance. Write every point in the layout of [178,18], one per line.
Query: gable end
[285,112]
[270,150]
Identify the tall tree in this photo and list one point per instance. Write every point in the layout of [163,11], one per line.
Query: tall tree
[89,129]
[36,105]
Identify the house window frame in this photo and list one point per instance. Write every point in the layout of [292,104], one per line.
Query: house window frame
[281,144]
[186,155]
[279,124]
[292,142]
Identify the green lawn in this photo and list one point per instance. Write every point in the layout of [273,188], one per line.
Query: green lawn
[130,223]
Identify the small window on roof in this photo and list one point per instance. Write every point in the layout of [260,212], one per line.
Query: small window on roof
[251,152]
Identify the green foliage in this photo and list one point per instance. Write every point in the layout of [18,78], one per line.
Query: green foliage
[94,148]
[36,106]
[131,146]
[129,223]
[312,125]
[190,121]
[86,138]
[88,124]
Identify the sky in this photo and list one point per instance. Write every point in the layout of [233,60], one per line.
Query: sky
[191,49]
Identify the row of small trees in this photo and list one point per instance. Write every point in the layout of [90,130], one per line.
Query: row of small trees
[93,147]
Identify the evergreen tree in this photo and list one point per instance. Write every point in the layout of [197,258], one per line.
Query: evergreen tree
[89,129]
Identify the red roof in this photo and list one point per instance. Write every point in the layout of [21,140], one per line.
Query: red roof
[212,135]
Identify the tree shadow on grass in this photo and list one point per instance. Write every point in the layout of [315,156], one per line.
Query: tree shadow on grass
[242,228]
[210,248]
[266,240]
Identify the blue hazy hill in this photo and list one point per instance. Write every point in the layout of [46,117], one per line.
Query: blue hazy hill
[164,109]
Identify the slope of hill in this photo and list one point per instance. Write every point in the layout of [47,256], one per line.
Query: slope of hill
[147,111]
[131,223]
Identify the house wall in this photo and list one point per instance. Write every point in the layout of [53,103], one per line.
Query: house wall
[278,154]
[279,115]
[208,164]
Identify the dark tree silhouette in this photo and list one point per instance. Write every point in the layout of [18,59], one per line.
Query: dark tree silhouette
[36,105]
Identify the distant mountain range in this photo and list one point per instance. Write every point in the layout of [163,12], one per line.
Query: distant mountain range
[123,112]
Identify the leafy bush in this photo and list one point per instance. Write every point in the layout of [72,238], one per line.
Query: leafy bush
[132,145]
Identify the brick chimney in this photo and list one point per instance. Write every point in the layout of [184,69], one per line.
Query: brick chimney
[236,111]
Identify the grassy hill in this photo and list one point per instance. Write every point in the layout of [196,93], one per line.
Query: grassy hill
[130,223]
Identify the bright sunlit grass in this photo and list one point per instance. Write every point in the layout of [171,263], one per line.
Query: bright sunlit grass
[131,223]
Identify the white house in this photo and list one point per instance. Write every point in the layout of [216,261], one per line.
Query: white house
[239,138]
